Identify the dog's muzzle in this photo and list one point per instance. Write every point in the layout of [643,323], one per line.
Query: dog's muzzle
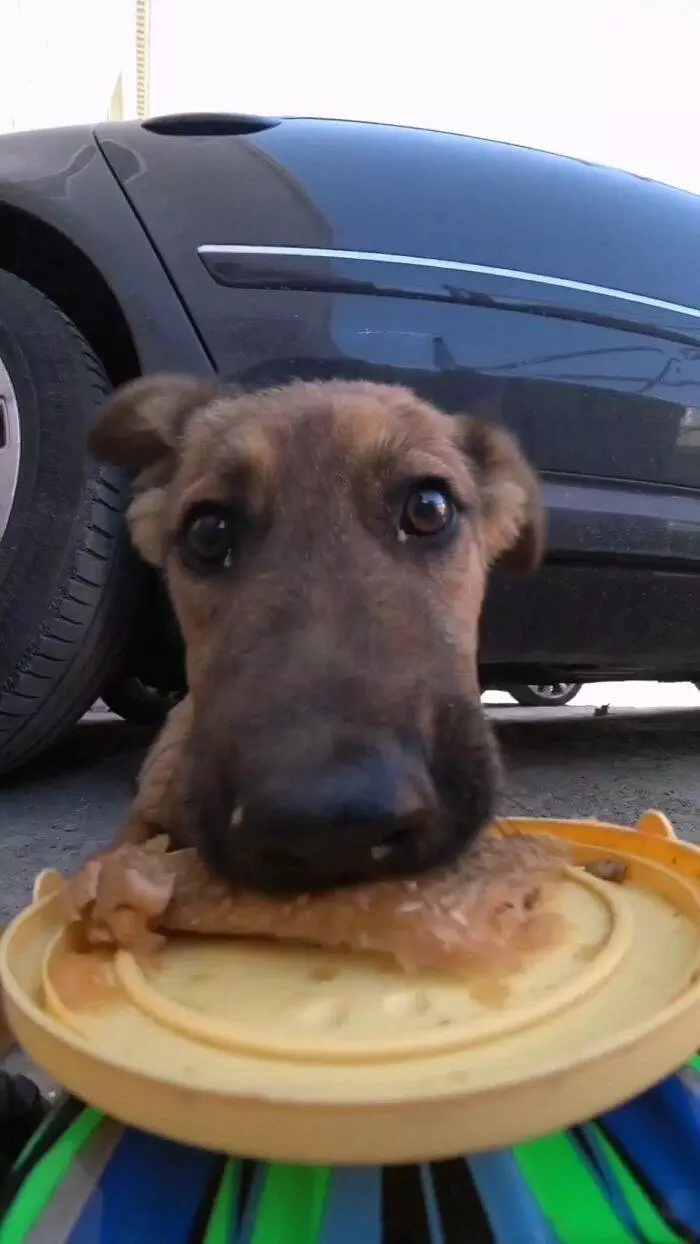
[351,822]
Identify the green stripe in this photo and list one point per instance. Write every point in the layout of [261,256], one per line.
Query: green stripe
[291,1206]
[223,1215]
[34,1139]
[568,1193]
[65,1109]
[651,1224]
[41,1183]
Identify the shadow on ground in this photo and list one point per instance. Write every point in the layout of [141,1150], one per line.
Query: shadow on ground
[99,743]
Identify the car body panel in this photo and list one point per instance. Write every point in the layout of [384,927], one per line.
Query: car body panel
[551,295]
[388,190]
[61,178]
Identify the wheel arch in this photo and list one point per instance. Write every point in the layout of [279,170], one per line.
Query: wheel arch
[44,257]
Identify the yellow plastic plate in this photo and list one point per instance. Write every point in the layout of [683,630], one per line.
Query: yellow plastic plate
[291,1054]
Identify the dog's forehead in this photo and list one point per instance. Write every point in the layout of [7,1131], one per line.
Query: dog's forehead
[358,424]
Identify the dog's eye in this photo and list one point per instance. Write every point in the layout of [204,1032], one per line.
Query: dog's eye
[207,539]
[429,510]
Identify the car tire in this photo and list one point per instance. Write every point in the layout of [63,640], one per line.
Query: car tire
[153,678]
[529,695]
[66,568]
[137,703]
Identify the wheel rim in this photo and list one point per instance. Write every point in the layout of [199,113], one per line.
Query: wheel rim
[552,690]
[10,446]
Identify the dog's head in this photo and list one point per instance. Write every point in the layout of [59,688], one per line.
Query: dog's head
[326,547]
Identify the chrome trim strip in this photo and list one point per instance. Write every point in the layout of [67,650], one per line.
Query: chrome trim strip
[449,265]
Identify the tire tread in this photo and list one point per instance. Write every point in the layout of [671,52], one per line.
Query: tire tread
[82,641]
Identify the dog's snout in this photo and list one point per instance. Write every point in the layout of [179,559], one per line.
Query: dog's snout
[350,822]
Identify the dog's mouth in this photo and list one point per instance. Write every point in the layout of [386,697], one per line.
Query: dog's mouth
[379,807]
[313,860]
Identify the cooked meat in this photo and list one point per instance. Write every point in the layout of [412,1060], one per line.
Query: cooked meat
[608,870]
[488,910]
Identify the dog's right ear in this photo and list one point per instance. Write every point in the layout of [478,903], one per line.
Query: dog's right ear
[142,423]
[140,428]
[511,505]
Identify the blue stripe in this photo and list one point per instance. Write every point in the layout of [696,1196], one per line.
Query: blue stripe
[599,1165]
[437,1235]
[150,1192]
[682,1096]
[354,1207]
[510,1204]
[659,1133]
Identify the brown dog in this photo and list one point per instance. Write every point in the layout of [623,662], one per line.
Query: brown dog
[326,548]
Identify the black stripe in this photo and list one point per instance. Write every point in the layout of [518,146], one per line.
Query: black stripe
[206,1205]
[246,1177]
[462,1213]
[404,1214]
[674,1224]
[59,1118]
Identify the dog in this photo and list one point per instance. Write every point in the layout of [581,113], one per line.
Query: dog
[326,547]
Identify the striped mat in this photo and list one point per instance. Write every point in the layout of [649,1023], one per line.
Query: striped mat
[629,1177]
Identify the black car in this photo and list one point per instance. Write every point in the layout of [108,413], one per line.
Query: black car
[556,296]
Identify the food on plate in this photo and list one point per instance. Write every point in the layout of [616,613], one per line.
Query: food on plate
[488,910]
[608,870]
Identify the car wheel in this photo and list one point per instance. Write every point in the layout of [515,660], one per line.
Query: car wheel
[139,704]
[544,695]
[152,679]
[66,568]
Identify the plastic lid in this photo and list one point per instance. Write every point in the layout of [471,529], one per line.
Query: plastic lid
[301,1055]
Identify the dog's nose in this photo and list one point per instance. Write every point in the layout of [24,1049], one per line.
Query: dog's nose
[343,825]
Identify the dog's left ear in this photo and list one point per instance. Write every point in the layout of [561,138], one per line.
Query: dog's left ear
[141,428]
[511,505]
[143,421]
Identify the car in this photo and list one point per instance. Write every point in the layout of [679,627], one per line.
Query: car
[557,297]
[543,695]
